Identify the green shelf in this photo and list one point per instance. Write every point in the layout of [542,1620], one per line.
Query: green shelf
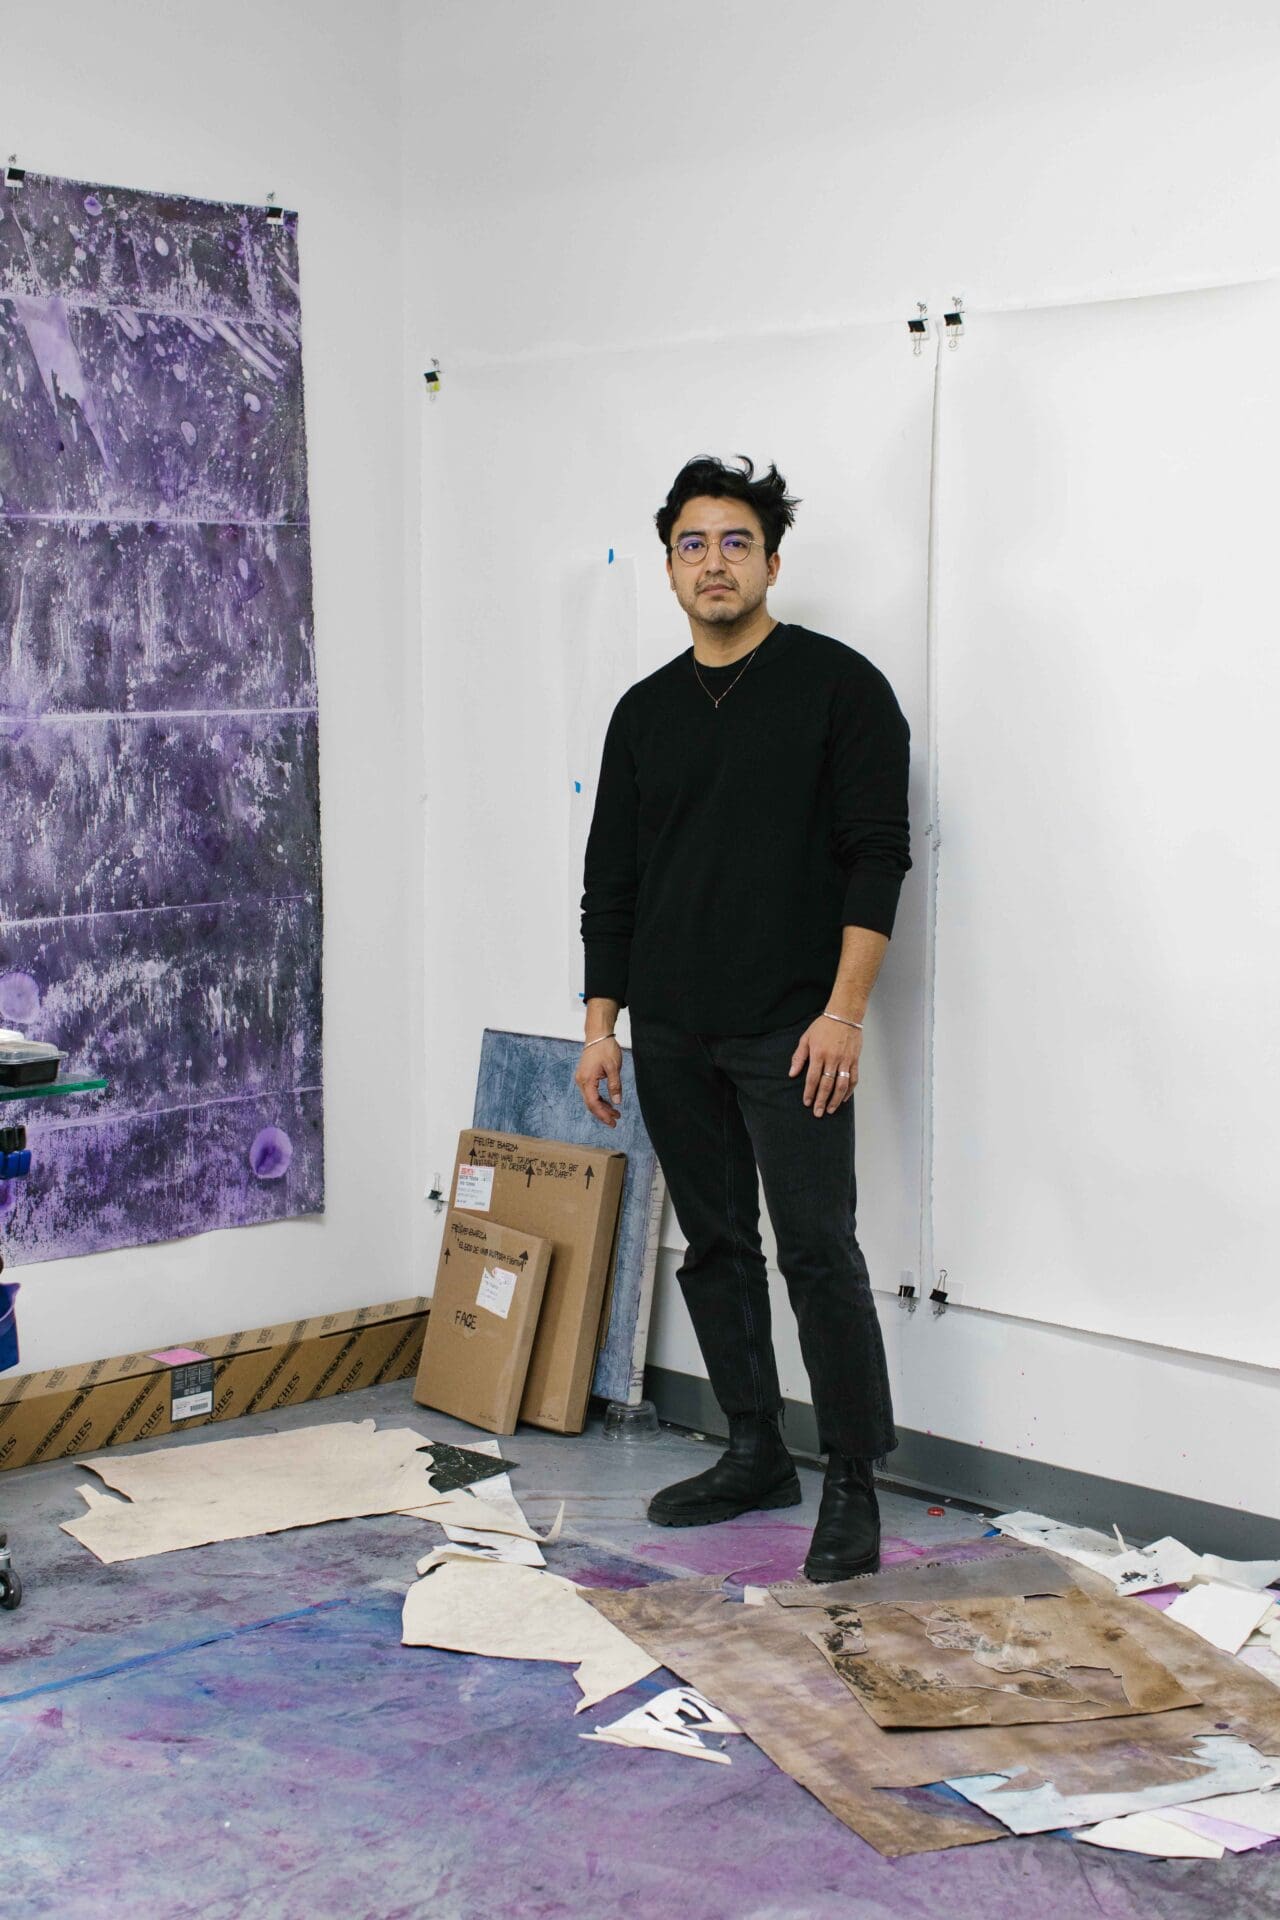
[52,1090]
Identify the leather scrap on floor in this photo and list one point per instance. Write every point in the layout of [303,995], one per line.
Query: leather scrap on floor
[995,1662]
[759,1666]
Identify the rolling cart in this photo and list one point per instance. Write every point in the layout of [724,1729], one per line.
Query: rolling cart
[10,1583]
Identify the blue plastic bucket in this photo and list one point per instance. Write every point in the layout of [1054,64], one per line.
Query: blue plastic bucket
[8,1325]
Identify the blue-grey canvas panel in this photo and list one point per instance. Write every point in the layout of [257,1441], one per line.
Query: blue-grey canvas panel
[525,1085]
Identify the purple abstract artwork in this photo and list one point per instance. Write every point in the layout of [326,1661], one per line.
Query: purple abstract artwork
[160,911]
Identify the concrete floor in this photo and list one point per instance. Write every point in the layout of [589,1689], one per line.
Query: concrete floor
[236,1733]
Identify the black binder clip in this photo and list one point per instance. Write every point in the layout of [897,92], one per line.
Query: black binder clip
[907,1296]
[954,324]
[939,1294]
[436,1196]
[919,328]
[432,378]
[14,175]
[275,214]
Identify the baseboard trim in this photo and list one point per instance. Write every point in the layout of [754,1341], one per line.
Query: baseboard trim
[999,1482]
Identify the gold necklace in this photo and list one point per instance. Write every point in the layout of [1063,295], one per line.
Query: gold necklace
[716,699]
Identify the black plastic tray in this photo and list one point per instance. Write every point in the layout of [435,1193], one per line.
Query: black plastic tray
[28,1073]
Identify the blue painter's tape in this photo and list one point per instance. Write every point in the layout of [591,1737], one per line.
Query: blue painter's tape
[611,556]
[577,786]
[167,1653]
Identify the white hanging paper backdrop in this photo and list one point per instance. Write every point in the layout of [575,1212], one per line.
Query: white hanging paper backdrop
[533,472]
[600,662]
[1109,897]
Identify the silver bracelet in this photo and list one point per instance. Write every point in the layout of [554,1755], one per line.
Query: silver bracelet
[843,1022]
[599,1037]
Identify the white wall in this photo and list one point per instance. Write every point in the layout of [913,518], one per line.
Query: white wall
[574,178]
[580,178]
[235,102]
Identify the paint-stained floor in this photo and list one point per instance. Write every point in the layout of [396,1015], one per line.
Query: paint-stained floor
[236,1733]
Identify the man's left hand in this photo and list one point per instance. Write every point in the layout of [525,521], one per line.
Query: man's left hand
[831,1053]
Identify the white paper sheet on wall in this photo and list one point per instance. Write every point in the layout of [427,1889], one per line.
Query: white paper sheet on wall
[846,414]
[600,663]
[1106,1132]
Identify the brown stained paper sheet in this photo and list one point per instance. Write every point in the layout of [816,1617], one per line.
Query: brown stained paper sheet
[996,1662]
[758,1667]
[757,1664]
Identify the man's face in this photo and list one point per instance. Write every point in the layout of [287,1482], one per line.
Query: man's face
[714,589]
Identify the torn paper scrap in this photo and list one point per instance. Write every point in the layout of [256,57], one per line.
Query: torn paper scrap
[488,1508]
[1027,1803]
[521,1547]
[486,1512]
[1264,1660]
[1085,1544]
[1147,1833]
[1166,1562]
[261,1483]
[462,1466]
[522,1613]
[1132,1570]
[1224,1616]
[1234,1839]
[672,1722]
[995,1662]
[507,1547]
[1240,1573]
[1258,1810]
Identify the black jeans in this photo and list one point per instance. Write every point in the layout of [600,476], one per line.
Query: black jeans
[717,1111]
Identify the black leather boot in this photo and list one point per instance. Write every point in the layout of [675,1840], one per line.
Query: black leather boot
[846,1540]
[757,1472]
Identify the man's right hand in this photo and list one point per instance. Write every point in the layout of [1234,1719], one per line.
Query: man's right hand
[603,1061]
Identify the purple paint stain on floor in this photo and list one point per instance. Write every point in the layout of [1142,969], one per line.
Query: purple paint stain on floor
[757,1551]
[893,1551]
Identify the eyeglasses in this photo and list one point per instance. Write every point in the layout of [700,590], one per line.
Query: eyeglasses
[736,547]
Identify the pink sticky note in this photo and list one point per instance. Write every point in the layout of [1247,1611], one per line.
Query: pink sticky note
[178,1356]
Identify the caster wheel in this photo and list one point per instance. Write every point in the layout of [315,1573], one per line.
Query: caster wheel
[10,1591]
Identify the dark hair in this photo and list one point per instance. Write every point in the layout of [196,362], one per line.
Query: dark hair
[704,475]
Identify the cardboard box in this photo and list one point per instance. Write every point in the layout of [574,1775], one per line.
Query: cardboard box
[142,1396]
[571,1197]
[484,1312]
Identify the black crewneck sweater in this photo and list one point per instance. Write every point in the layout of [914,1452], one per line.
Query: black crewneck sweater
[730,845]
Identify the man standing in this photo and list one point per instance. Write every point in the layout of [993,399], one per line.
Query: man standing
[746,853]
